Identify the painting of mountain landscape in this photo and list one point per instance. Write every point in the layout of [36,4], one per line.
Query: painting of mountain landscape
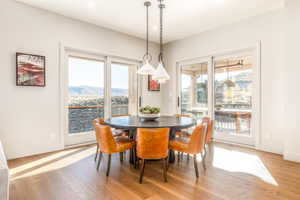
[30,70]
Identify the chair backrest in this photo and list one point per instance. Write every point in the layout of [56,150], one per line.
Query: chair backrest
[106,140]
[99,121]
[210,126]
[197,140]
[152,143]
[95,122]
[182,115]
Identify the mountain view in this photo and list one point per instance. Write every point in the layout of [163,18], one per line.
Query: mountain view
[94,91]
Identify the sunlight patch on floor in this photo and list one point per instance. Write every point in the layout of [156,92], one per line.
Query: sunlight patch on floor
[50,163]
[236,161]
[40,161]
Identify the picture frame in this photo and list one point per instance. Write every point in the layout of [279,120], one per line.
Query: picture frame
[153,85]
[30,70]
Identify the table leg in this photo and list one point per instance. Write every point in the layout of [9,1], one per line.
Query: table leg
[132,135]
[171,152]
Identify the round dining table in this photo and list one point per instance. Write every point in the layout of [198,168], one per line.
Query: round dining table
[132,123]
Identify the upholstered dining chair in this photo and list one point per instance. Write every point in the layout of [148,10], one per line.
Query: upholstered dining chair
[110,145]
[209,133]
[193,145]
[115,133]
[152,144]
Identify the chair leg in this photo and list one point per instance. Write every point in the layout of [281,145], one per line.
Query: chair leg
[205,150]
[142,170]
[178,156]
[165,169]
[136,159]
[99,160]
[108,164]
[96,152]
[203,161]
[121,157]
[188,157]
[195,166]
[168,162]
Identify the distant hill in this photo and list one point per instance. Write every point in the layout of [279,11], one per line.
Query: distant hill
[94,91]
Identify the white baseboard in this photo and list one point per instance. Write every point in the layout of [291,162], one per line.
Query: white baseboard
[295,157]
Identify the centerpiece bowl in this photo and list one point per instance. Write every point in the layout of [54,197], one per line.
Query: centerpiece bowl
[149,113]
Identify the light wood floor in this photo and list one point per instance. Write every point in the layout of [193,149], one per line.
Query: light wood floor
[232,173]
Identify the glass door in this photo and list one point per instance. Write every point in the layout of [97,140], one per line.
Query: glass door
[225,88]
[233,94]
[97,87]
[85,98]
[194,89]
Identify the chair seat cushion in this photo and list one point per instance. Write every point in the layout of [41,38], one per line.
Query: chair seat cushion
[183,133]
[124,143]
[179,144]
[120,132]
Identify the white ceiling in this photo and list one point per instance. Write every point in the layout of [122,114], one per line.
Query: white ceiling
[182,18]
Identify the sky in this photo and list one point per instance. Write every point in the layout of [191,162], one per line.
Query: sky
[91,73]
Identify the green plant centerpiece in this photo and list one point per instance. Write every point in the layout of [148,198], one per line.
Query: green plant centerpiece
[149,113]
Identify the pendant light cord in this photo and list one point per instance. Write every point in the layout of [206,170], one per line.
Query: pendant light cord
[147,56]
[147,29]
[161,7]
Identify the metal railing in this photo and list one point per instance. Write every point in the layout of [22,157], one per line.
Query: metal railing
[81,117]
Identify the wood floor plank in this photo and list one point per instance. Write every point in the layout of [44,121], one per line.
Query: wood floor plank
[233,172]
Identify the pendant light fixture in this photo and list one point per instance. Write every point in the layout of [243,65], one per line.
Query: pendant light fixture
[229,83]
[161,74]
[147,68]
[202,83]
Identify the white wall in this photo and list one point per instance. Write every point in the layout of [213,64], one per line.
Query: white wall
[291,93]
[29,116]
[268,30]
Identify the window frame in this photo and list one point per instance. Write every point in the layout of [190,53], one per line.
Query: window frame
[66,51]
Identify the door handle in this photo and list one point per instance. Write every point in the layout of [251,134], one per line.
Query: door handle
[140,101]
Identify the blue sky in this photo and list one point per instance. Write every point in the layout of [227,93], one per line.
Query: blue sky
[91,73]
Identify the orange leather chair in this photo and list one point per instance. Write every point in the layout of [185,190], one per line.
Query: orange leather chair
[110,145]
[209,123]
[152,144]
[193,145]
[115,133]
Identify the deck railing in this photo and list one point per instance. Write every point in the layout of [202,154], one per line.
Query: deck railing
[81,116]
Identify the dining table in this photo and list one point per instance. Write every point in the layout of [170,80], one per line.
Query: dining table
[132,123]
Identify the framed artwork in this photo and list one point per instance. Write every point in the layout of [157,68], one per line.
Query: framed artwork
[30,70]
[153,85]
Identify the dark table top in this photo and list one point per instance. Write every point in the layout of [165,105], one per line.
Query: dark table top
[162,122]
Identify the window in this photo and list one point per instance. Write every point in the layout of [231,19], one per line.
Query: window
[194,89]
[119,89]
[97,87]
[86,93]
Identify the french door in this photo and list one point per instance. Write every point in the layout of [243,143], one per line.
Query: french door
[97,87]
[224,88]
[233,98]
